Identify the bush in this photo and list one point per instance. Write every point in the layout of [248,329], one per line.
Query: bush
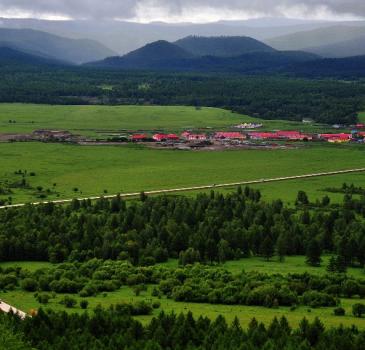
[156,305]
[68,302]
[316,299]
[43,298]
[29,284]
[339,311]
[358,310]
[84,304]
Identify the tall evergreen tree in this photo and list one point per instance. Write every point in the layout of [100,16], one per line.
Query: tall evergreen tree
[313,253]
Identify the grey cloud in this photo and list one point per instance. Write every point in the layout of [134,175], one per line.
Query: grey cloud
[127,9]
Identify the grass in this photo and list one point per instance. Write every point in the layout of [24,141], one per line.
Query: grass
[96,120]
[292,264]
[26,301]
[362,117]
[28,265]
[93,169]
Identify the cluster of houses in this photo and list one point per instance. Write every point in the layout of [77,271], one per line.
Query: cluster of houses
[238,136]
[249,126]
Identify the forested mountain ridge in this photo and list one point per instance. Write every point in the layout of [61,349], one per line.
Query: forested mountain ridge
[154,55]
[52,46]
[10,57]
[348,48]
[221,46]
[318,37]
[214,55]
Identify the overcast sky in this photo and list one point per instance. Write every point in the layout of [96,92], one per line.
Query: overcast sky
[182,10]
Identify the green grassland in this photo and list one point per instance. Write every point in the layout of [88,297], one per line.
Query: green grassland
[93,169]
[362,117]
[97,120]
[26,301]
[296,264]
[292,264]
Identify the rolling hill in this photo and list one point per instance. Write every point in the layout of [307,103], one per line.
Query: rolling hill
[154,55]
[222,46]
[317,38]
[349,67]
[51,46]
[348,48]
[10,57]
[162,55]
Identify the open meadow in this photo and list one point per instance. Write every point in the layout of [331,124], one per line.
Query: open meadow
[296,264]
[70,171]
[100,120]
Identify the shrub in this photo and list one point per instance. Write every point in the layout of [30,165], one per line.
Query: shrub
[156,305]
[29,284]
[84,304]
[68,302]
[339,311]
[316,299]
[43,298]
[358,310]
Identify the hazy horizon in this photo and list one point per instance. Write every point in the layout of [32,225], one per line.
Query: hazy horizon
[183,11]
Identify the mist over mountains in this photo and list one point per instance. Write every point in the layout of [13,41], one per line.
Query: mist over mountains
[123,37]
[272,46]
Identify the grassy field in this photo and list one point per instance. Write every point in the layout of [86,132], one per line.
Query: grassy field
[26,301]
[96,120]
[362,117]
[292,264]
[93,169]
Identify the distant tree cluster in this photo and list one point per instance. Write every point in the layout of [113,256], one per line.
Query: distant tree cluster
[193,283]
[268,97]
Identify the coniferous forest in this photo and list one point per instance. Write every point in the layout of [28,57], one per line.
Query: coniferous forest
[99,247]
[265,96]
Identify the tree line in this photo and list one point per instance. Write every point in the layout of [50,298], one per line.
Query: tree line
[268,97]
[208,228]
[112,329]
[193,283]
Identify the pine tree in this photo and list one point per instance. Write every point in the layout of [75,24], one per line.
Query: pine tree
[313,253]
[332,265]
[281,247]
[267,248]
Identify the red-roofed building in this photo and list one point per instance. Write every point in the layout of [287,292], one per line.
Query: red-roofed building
[159,137]
[165,137]
[193,137]
[336,138]
[229,136]
[292,135]
[262,135]
[173,137]
[360,126]
[280,135]
[139,137]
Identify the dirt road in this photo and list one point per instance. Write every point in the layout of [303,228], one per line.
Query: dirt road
[4,307]
[203,187]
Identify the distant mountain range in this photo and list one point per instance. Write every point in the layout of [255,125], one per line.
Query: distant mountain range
[334,41]
[53,47]
[123,37]
[242,55]
[214,54]
[15,58]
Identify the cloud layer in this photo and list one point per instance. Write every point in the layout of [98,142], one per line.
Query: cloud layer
[182,10]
